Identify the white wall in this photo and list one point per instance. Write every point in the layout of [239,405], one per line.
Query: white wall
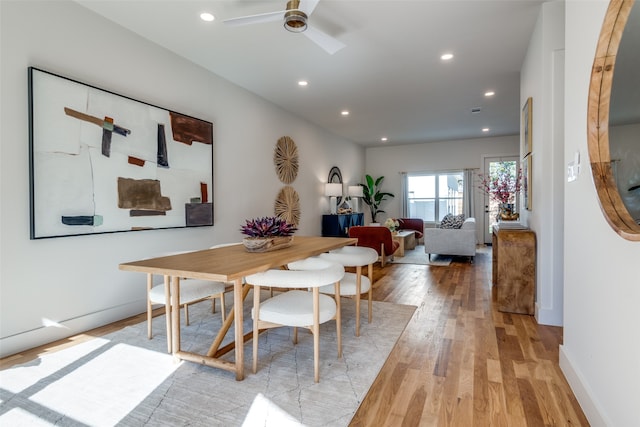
[434,156]
[542,79]
[601,352]
[75,280]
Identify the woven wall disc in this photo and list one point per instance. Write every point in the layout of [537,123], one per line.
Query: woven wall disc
[285,157]
[287,205]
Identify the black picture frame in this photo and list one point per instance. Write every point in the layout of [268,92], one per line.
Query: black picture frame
[101,162]
[527,126]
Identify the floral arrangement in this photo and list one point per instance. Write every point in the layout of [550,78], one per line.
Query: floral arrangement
[267,227]
[392,224]
[502,185]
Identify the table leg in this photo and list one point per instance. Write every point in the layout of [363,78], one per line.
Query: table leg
[400,251]
[238,300]
[226,325]
[167,312]
[175,317]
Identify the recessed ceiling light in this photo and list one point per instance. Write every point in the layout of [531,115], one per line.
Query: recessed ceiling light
[489,93]
[345,113]
[485,129]
[303,83]
[206,16]
[447,56]
[384,139]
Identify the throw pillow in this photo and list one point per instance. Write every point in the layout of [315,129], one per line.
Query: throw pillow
[452,221]
[458,220]
[447,221]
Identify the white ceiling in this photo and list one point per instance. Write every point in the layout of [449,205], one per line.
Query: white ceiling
[389,75]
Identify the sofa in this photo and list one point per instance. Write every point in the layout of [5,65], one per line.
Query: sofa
[452,241]
[377,238]
[415,224]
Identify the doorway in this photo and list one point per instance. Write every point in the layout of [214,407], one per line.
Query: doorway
[492,164]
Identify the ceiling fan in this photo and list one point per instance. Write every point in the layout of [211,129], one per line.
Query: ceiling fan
[295,20]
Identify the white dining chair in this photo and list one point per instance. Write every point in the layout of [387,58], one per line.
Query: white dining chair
[296,307]
[354,284]
[191,291]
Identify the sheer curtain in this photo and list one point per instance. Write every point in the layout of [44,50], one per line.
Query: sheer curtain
[404,190]
[468,199]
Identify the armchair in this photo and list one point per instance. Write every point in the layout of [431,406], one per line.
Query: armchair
[452,241]
[377,238]
[415,224]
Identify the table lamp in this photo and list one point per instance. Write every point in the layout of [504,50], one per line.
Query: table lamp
[355,191]
[333,190]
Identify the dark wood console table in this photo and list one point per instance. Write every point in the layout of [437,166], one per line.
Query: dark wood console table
[514,269]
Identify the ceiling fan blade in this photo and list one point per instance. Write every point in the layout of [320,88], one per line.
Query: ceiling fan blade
[330,44]
[255,19]
[308,6]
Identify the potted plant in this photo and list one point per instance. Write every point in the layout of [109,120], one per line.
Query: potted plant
[372,195]
[267,234]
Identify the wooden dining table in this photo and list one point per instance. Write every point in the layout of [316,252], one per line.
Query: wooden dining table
[229,264]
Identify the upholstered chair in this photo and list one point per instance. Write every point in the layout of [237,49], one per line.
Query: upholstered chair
[415,224]
[354,284]
[376,238]
[296,307]
[452,241]
[191,292]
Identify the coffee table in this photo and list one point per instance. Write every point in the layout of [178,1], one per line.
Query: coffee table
[407,240]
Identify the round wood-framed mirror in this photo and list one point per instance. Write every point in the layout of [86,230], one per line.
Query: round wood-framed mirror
[616,198]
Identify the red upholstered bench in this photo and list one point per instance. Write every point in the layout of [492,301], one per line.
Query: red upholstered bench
[415,224]
[377,238]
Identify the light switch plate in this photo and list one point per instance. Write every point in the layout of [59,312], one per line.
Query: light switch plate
[571,172]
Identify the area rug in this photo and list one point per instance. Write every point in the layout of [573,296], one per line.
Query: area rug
[418,256]
[125,379]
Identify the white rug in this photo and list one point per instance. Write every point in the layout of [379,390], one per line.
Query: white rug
[127,380]
[418,256]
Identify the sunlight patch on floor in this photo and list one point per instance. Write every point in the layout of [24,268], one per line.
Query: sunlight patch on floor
[21,417]
[93,383]
[18,378]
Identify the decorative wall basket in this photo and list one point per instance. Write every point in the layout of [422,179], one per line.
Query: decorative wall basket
[285,158]
[266,244]
[287,205]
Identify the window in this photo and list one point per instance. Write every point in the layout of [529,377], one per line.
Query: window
[431,196]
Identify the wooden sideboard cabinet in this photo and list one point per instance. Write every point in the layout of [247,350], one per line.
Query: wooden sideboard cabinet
[338,225]
[514,269]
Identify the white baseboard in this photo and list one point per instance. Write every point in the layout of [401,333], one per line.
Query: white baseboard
[581,391]
[46,334]
[548,317]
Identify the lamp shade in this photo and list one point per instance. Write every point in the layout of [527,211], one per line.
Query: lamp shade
[332,189]
[355,191]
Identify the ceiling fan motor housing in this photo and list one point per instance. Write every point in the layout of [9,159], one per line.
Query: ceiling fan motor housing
[295,20]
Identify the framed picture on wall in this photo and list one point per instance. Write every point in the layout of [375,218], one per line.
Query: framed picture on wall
[527,181]
[102,162]
[527,125]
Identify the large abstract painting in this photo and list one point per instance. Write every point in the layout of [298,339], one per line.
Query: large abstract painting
[102,162]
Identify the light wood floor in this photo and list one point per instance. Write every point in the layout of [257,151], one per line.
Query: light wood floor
[459,362]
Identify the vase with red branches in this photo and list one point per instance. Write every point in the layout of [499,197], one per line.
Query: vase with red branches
[502,185]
